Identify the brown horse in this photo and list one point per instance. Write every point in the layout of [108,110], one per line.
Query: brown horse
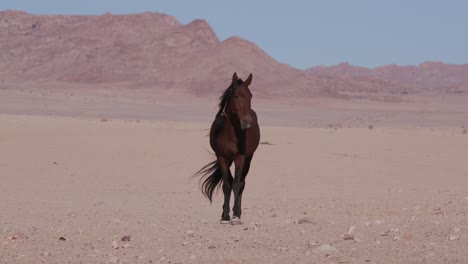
[234,137]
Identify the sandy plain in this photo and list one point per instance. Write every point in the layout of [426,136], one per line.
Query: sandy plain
[110,184]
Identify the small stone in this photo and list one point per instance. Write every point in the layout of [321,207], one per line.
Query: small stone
[453,237]
[211,247]
[408,236]
[191,233]
[348,237]
[325,249]
[255,226]
[62,238]
[114,260]
[386,233]
[46,254]
[126,238]
[306,220]
[19,236]
[115,245]
[395,238]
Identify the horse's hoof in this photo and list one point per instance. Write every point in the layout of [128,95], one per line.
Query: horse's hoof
[225,220]
[236,221]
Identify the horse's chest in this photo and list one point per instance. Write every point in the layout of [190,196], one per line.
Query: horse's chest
[226,144]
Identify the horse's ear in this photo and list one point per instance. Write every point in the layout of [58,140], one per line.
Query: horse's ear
[234,77]
[249,80]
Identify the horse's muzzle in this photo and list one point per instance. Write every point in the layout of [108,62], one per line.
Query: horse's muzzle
[246,123]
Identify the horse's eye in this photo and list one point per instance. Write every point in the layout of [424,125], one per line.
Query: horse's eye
[235,96]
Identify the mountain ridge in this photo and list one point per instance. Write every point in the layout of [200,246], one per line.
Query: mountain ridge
[157,52]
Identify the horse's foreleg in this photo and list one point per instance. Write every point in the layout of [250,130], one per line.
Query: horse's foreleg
[237,186]
[227,188]
[245,171]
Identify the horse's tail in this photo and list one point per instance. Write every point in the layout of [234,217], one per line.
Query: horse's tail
[210,178]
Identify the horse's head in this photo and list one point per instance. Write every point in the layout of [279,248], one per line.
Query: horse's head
[239,101]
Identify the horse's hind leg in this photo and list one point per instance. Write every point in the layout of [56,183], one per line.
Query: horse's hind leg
[227,188]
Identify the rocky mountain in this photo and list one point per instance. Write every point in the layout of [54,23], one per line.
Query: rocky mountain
[154,51]
[428,76]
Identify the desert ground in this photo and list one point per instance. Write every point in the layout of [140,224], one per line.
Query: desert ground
[99,179]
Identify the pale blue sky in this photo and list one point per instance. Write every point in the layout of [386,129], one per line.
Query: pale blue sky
[306,33]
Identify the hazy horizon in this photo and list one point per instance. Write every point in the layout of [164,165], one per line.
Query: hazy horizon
[307,33]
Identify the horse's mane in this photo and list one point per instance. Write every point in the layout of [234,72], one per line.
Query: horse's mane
[224,99]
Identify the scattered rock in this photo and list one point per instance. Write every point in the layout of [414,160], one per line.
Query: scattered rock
[115,220]
[306,220]
[379,222]
[453,237]
[211,247]
[114,260]
[255,226]
[115,245]
[386,233]
[19,236]
[438,211]
[282,249]
[348,237]
[126,238]
[408,236]
[62,238]
[191,233]
[325,248]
